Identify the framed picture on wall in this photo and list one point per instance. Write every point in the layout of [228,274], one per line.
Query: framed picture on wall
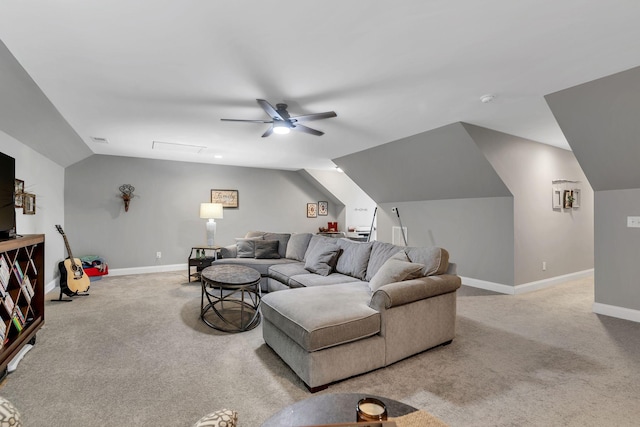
[568,199]
[576,198]
[19,191]
[556,198]
[29,204]
[312,210]
[228,198]
[323,208]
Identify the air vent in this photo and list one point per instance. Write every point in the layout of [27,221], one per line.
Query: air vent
[172,146]
[99,140]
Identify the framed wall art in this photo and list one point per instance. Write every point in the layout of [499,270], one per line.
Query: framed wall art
[568,199]
[323,208]
[312,210]
[228,198]
[576,198]
[29,204]
[19,191]
[556,198]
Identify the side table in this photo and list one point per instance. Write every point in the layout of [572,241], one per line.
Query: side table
[210,254]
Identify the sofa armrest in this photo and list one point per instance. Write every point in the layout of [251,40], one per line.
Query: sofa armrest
[230,251]
[399,293]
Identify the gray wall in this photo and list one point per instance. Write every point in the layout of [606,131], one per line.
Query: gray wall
[563,238]
[164,215]
[443,163]
[600,121]
[477,232]
[45,179]
[617,270]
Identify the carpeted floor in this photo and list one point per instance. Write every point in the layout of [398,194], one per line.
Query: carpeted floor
[135,353]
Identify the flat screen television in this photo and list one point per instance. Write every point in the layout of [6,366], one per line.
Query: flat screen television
[7,197]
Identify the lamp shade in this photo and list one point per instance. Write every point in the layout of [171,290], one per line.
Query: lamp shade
[211,210]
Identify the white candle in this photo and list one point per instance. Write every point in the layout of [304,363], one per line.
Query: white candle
[371,409]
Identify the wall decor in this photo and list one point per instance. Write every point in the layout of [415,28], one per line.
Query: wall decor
[556,198]
[126,193]
[29,204]
[323,208]
[19,191]
[312,210]
[228,198]
[576,198]
[568,199]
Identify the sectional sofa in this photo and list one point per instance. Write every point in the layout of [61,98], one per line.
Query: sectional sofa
[335,308]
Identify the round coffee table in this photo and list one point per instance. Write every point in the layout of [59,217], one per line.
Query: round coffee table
[232,294]
[331,408]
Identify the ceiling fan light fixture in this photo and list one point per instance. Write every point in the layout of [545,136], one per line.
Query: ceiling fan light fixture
[280,128]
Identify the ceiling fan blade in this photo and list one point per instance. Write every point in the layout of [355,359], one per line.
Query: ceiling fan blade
[268,132]
[268,108]
[249,121]
[305,129]
[315,116]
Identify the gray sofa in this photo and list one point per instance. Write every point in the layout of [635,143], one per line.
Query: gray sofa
[336,308]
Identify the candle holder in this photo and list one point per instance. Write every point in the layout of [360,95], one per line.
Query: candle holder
[370,409]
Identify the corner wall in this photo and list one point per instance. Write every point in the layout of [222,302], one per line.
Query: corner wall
[45,179]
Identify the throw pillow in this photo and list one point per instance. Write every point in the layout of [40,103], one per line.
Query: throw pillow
[246,247]
[354,258]
[297,246]
[267,249]
[220,418]
[395,269]
[283,238]
[322,258]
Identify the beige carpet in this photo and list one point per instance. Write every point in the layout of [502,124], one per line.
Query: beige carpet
[135,353]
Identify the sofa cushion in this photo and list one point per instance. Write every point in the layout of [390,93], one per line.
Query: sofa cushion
[321,259]
[315,239]
[380,253]
[435,260]
[253,234]
[246,247]
[282,272]
[310,279]
[395,269]
[354,258]
[324,316]
[282,238]
[297,246]
[262,265]
[267,249]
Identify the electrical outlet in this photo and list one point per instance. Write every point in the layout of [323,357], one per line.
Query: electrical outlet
[544,265]
[633,221]
[158,255]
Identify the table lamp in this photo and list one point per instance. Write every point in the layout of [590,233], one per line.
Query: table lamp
[211,211]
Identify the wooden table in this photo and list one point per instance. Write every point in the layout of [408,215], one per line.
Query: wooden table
[331,408]
[232,294]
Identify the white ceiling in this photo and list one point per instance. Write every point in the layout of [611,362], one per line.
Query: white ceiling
[139,71]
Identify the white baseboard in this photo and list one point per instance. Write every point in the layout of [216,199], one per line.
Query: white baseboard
[126,271]
[148,269]
[615,311]
[525,287]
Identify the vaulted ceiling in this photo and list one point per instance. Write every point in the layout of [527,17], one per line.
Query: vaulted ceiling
[135,72]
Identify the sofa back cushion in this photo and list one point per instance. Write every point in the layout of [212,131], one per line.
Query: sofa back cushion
[354,258]
[297,246]
[435,260]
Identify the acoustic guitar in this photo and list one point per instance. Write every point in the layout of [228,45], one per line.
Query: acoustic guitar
[73,278]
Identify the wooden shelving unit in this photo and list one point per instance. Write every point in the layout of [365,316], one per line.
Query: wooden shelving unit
[22,294]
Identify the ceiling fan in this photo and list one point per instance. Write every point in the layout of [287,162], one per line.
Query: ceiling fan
[282,122]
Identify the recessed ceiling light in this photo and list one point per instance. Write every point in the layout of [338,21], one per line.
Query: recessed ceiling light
[172,146]
[218,156]
[99,139]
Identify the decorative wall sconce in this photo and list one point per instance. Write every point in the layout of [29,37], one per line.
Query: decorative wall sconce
[126,191]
